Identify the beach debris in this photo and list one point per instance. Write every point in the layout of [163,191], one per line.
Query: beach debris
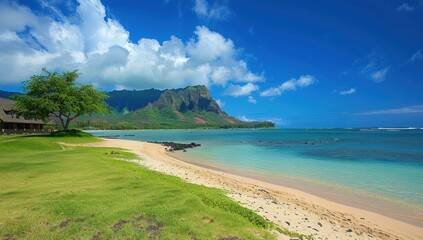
[173,146]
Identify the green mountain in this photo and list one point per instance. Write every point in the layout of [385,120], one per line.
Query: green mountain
[190,107]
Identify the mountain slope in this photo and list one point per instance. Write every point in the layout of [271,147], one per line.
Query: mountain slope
[190,107]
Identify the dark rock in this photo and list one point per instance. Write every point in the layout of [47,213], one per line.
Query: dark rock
[172,146]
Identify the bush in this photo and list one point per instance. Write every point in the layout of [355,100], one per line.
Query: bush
[70,133]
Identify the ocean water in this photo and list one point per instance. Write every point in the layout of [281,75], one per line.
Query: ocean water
[380,163]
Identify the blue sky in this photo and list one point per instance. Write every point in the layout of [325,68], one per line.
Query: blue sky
[297,63]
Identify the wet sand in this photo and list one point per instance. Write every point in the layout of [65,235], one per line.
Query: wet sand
[289,208]
[345,196]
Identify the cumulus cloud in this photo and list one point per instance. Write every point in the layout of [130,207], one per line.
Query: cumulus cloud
[348,92]
[290,85]
[220,103]
[417,55]
[405,8]
[218,11]
[251,99]
[238,90]
[100,47]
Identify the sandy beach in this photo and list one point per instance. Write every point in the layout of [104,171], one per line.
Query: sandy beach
[287,207]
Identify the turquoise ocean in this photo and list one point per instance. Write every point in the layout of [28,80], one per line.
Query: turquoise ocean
[375,169]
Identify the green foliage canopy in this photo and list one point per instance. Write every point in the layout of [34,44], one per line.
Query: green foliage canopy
[59,96]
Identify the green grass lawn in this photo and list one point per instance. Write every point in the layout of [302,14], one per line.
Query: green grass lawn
[52,192]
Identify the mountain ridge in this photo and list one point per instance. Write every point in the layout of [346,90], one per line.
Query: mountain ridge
[189,107]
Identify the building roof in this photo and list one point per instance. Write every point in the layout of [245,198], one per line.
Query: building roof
[7,105]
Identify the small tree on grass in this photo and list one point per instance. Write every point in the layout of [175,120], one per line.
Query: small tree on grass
[58,96]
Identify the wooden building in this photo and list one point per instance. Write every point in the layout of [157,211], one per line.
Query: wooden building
[12,124]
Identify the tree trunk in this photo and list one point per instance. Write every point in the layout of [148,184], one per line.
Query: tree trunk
[66,126]
[62,122]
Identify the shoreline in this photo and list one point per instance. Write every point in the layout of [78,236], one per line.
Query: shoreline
[402,211]
[289,208]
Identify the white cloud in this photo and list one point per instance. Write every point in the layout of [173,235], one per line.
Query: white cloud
[405,7]
[277,121]
[100,47]
[373,66]
[15,17]
[245,119]
[218,11]
[403,110]
[210,46]
[290,85]
[238,90]
[348,92]
[251,99]
[379,75]
[417,55]
[305,81]
[220,103]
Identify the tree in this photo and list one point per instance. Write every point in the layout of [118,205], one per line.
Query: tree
[58,96]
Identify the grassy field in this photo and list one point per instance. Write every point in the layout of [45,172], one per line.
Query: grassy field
[48,191]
